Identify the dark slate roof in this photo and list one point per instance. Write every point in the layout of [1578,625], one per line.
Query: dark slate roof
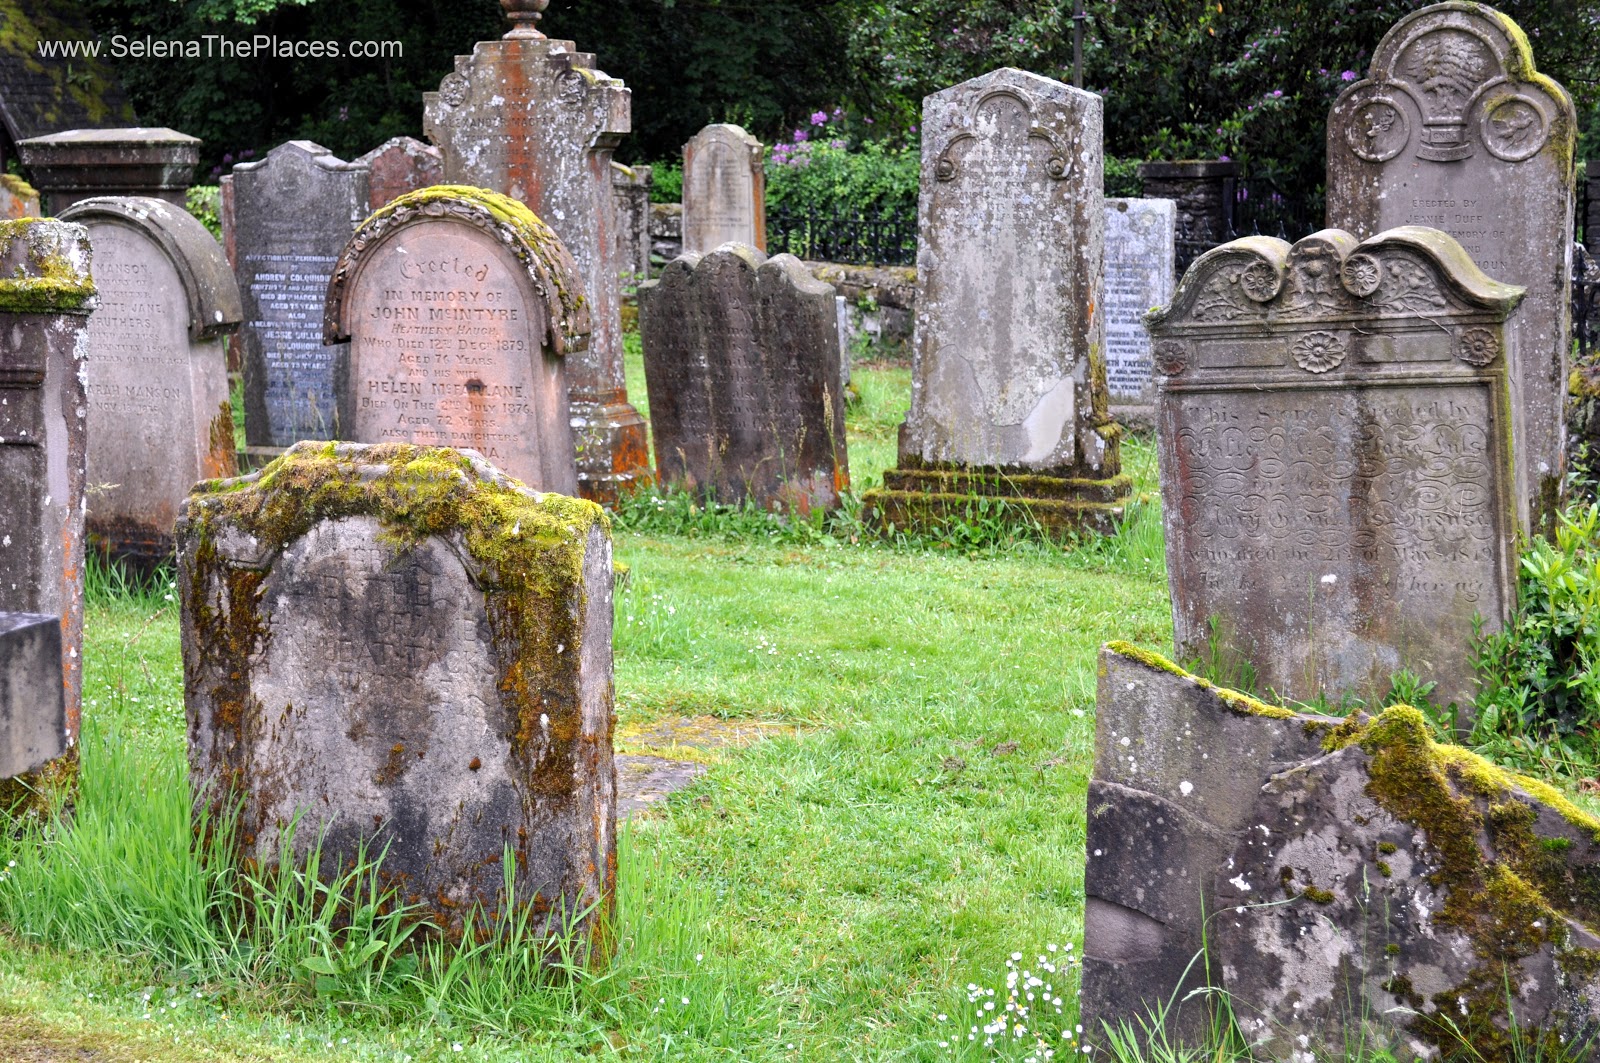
[36,95]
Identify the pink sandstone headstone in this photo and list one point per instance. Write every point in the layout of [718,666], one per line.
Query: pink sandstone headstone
[459,307]
[400,165]
[18,199]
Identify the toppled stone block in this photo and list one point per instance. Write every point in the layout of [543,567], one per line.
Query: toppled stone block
[1347,879]
[402,647]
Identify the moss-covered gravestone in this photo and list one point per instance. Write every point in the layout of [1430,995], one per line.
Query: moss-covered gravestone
[454,310]
[46,295]
[1336,460]
[1008,395]
[159,415]
[402,647]
[1454,128]
[741,356]
[1352,881]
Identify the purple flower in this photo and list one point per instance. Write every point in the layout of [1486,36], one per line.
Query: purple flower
[1276,93]
[819,117]
[867,120]
[1224,158]
[1348,75]
[838,112]
[913,129]
[799,135]
[227,158]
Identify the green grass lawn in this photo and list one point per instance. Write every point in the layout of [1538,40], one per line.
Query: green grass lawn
[828,893]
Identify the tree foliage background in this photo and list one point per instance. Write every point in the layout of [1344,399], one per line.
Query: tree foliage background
[1248,79]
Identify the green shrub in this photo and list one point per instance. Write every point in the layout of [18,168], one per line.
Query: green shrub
[204,202]
[816,169]
[666,181]
[1539,677]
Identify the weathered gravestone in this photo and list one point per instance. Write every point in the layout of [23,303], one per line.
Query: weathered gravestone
[84,163]
[46,294]
[292,214]
[1140,250]
[724,190]
[1008,392]
[630,185]
[159,415]
[408,649]
[33,720]
[18,199]
[1353,882]
[459,308]
[1335,464]
[400,165]
[741,358]
[533,119]
[1453,128]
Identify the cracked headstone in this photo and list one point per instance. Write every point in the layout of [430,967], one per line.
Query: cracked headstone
[399,646]
[159,415]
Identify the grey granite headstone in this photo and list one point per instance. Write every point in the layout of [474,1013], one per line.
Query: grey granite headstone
[159,415]
[724,190]
[400,165]
[459,308]
[1453,128]
[533,119]
[1336,476]
[1337,881]
[46,295]
[630,185]
[33,719]
[741,357]
[83,163]
[406,648]
[1008,368]
[292,212]
[1140,250]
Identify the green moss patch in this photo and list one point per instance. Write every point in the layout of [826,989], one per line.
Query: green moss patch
[40,280]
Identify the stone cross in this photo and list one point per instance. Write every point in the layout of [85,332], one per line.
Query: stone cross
[1008,370]
[741,357]
[1140,253]
[159,414]
[724,190]
[33,720]
[405,648]
[292,213]
[1336,471]
[400,165]
[1453,128]
[533,119]
[46,295]
[459,308]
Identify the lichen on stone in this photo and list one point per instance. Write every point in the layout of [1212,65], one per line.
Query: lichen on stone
[38,277]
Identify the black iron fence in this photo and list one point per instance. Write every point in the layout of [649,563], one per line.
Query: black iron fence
[886,240]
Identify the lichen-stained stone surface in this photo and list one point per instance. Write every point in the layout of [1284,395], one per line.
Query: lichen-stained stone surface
[741,357]
[533,119]
[46,296]
[456,310]
[1454,128]
[159,415]
[402,647]
[1336,460]
[33,721]
[724,190]
[400,165]
[1355,879]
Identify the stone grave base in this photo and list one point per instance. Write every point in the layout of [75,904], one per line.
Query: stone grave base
[613,450]
[668,755]
[925,497]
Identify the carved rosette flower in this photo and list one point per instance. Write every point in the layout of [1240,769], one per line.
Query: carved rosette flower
[1318,352]
[1170,357]
[1260,281]
[1362,275]
[454,90]
[1479,347]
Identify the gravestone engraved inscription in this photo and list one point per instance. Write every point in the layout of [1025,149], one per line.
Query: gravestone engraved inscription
[293,213]
[442,693]
[1453,128]
[459,307]
[46,296]
[159,414]
[1335,470]
[741,358]
[1010,314]
[1140,251]
[533,119]
[724,190]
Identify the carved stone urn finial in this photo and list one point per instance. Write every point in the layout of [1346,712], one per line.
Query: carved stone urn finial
[524,16]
